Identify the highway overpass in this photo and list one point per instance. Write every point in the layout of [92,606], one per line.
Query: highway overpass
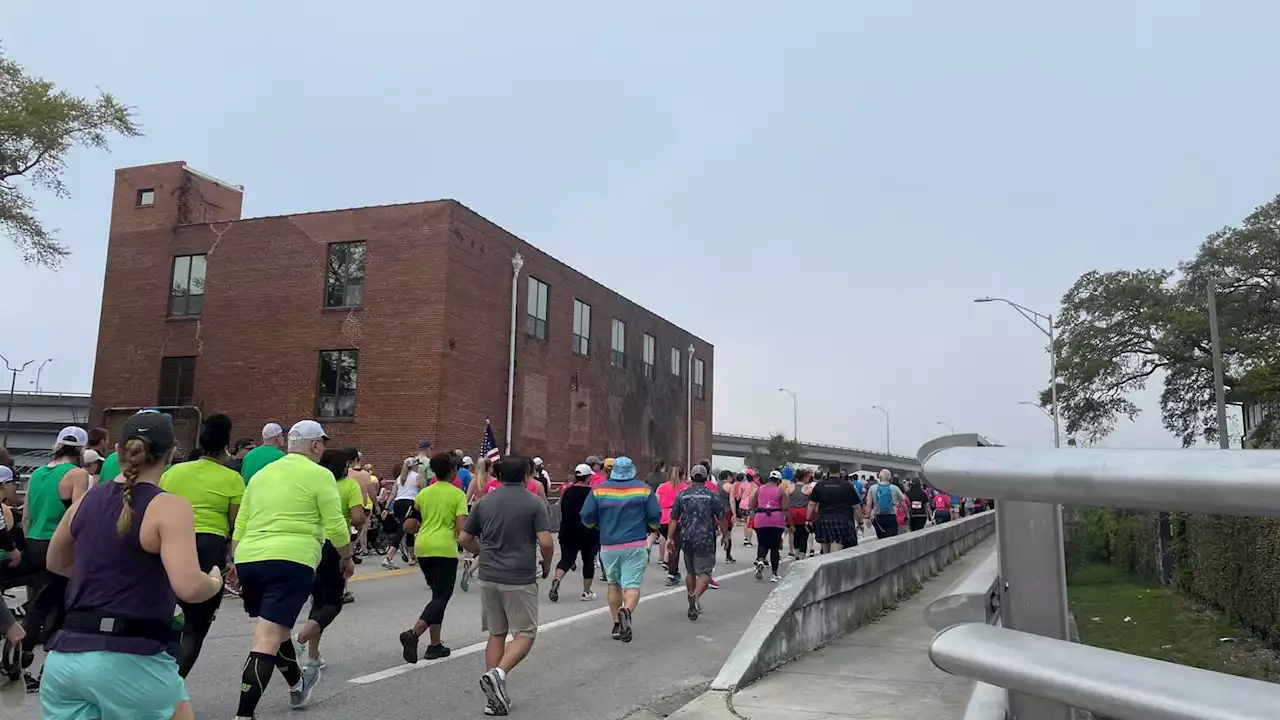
[816,454]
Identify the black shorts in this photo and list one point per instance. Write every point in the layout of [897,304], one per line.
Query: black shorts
[401,508]
[328,584]
[275,590]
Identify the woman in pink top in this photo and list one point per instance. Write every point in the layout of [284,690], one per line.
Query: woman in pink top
[667,492]
[769,507]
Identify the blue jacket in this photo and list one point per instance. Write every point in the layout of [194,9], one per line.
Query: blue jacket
[625,511]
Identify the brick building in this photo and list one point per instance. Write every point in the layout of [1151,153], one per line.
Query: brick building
[388,324]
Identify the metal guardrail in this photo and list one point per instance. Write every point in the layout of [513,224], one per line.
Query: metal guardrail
[864,451]
[974,598]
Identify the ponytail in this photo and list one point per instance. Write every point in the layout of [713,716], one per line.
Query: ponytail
[135,455]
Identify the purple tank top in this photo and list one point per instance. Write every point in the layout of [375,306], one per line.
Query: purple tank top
[114,575]
[769,497]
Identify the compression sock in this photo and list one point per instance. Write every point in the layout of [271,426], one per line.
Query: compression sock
[287,661]
[253,682]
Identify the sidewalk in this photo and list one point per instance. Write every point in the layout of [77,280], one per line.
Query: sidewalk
[881,671]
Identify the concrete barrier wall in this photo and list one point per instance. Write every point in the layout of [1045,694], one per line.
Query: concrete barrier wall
[824,597]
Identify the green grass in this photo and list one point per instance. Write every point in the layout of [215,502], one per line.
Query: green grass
[1162,625]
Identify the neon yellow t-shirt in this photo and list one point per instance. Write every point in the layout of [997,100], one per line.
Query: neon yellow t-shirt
[351,495]
[289,513]
[440,504]
[210,487]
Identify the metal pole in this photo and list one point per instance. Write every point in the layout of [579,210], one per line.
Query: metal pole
[948,426]
[517,262]
[795,415]
[1053,380]
[13,380]
[886,428]
[688,445]
[1219,389]
[40,370]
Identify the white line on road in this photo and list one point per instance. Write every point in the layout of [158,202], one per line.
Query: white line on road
[479,647]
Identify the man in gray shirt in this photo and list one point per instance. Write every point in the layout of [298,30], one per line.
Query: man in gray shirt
[503,529]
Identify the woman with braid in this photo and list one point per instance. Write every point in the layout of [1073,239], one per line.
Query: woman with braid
[129,549]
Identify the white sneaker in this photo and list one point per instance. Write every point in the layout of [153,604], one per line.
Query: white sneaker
[588,596]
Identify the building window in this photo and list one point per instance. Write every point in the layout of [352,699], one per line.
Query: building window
[186,289]
[677,362]
[146,197]
[581,328]
[344,281]
[618,344]
[177,379]
[699,379]
[535,323]
[337,395]
[650,356]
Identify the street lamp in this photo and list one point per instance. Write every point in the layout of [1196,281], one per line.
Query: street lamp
[39,370]
[1219,389]
[886,427]
[688,445]
[1036,406]
[1034,318]
[795,415]
[948,426]
[13,380]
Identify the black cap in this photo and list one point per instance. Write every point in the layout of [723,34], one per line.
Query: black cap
[155,428]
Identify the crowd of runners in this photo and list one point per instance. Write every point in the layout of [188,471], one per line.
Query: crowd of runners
[127,554]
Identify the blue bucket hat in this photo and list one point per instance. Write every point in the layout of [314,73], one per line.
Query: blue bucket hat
[623,469]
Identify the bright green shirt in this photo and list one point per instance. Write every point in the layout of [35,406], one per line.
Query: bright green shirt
[440,504]
[350,494]
[290,513]
[110,468]
[258,458]
[211,488]
[44,504]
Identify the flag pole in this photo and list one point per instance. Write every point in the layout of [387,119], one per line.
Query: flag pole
[517,262]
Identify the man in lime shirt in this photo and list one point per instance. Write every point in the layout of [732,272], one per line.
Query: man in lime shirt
[439,511]
[280,530]
[271,450]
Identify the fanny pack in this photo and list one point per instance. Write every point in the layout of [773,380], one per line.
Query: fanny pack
[99,623]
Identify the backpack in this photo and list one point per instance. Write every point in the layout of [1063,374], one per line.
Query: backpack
[884,498]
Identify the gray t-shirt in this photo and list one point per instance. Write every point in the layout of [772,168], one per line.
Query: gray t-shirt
[508,521]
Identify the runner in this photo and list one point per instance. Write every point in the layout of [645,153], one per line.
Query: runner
[625,510]
[271,450]
[576,539]
[654,480]
[798,507]
[50,491]
[214,492]
[439,512]
[407,486]
[130,551]
[329,584]
[597,476]
[886,499]
[941,508]
[769,508]
[542,476]
[276,545]
[464,473]
[834,511]
[238,451]
[917,506]
[726,489]
[666,493]
[91,461]
[505,527]
[696,516]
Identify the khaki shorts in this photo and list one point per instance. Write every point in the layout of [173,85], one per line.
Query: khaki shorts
[509,609]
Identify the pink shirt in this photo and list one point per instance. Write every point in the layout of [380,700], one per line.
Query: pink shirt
[596,479]
[667,498]
[769,497]
[493,483]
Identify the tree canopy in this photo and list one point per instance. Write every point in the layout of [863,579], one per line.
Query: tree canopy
[39,126]
[1120,329]
[779,451]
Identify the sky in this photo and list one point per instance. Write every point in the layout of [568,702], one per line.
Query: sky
[819,189]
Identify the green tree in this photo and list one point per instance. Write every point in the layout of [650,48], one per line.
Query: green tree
[1118,330]
[779,451]
[39,126]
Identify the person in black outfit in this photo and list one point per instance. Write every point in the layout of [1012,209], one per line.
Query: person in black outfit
[917,506]
[834,511]
[575,538]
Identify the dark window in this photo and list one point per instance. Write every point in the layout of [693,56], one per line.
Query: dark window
[699,379]
[650,356]
[344,282]
[146,197]
[618,344]
[337,395]
[177,380]
[677,362]
[581,328]
[535,324]
[186,291]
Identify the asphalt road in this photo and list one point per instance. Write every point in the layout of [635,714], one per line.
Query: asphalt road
[575,669]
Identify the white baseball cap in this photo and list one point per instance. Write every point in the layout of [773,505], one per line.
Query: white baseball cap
[582,470]
[467,461]
[73,436]
[6,475]
[88,457]
[307,430]
[272,430]
[537,461]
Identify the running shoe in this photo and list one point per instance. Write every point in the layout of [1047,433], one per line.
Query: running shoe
[616,634]
[357,559]
[731,560]
[693,608]
[404,555]
[412,561]
[713,584]
[299,697]
[759,569]
[466,576]
[389,564]
[746,543]
[409,642]
[663,564]
[624,625]
[554,593]
[588,596]
[493,685]
[774,579]
[435,652]
[348,597]
[317,663]
[32,682]
[673,580]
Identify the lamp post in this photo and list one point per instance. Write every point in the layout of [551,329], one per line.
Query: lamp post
[517,262]
[13,380]
[795,415]
[39,370]
[951,428]
[1219,388]
[688,445]
[886,428]
[1034,318]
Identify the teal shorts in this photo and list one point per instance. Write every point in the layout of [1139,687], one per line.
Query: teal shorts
[110,686]
[625,567]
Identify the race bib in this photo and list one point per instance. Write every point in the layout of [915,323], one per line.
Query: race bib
[916,505]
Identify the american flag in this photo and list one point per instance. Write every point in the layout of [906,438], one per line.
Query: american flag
[489,442]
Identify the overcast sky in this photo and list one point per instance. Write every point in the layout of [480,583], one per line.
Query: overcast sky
[820,189]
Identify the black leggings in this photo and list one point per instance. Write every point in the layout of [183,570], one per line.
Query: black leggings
[440,573]
[197,618]
[400,509]
[327,587]
[673,557]
[770,542]
[571,547]
[45,612]
[801,541]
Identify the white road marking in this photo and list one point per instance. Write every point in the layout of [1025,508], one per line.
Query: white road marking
[403,668]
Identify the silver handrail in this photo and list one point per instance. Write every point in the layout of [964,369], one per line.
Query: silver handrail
[1120,686]
[975,597]
[1243,482]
